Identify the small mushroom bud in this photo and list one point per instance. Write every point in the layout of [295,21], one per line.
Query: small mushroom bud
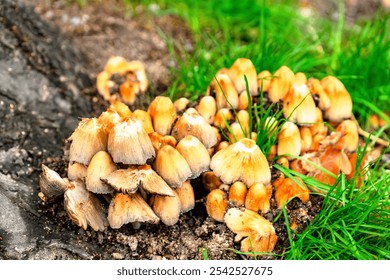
[167,208]
[163,114]
[84,208]
[51,184]
[258,198]
[77,171]
[210,181]
[243,100]
[226,95]
[195,154]
[222,117]
[259,233]
[306,139]
[240,68]
[283,161]
[207,108]
[241,161]
[289,140]
[237,194]
[145,119]
[290,188]
[242,118]
[216,204]
[236,133]
[129,143]
[264,80]
[280,84]
[125,208]
[172,166]
[88,139]
[101,165]
[191,123]
[187,197]
[181,104]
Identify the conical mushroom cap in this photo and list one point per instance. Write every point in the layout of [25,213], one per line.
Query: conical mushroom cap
[216,204]
[167,208]
[125,208]
[84,208]
[264,80]
[101,165]
[145,119]
[289,140]
[194,124]
[195,154]
[340,101]
[76,171]
[129,180]
[128,143]
[350,135]
[280,84]
[258,198]
[172,166]
[260,233]
[163,114]
[186,195]
[241,161]
[207,108]
[226,95]
[51,183]
[240,68]
[237,193]
[88,139]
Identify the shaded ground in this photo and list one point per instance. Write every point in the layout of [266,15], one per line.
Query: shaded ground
[46,82]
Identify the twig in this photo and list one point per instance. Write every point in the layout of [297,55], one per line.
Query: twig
[366,134]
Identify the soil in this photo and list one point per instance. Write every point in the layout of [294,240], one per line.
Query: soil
[50,54]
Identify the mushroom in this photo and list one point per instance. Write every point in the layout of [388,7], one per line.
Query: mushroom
[316,88]
[240,68]
[289,140]
[237,194]
[172,166]
[306,139]
[195,154]
[108,119]
[167,208]
[258,233]
[241,161]
[243,100]
[181,104]
[129,208]
[51,184]
[84,208]
[350,135]
[191,123]
[340,101]
[163,114]
[186,195]
[101,165]
[264,80]
[145,120]
[289,188]
[207,108]
[77,171]
[88,139]
[216,204]
[298,103]
[280,84]
[210,181]
[222,117]
[128,143]
[224,91]
[258,198]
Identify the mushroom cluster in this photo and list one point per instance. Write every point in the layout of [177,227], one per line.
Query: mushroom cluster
[141,163]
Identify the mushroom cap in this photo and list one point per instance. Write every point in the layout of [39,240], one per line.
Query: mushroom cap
[207,108]
[128,143]
[216,204]
[76,171]
[280,83]
[237,193]
[167,208]
[88,139]
[241,161]
[223,115]
[290,188]
[241,67]
[226,95]
[350,135]
[101,165]
[163,114]
[340,101]
[145,119]
[289,140]
[191,123]
[259,232]
[210,181]
[187,196]
[51,184]
[172,166]
[84,208]
[258,198]
[195,153]
[181,104]
[264,80]
[125,208]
